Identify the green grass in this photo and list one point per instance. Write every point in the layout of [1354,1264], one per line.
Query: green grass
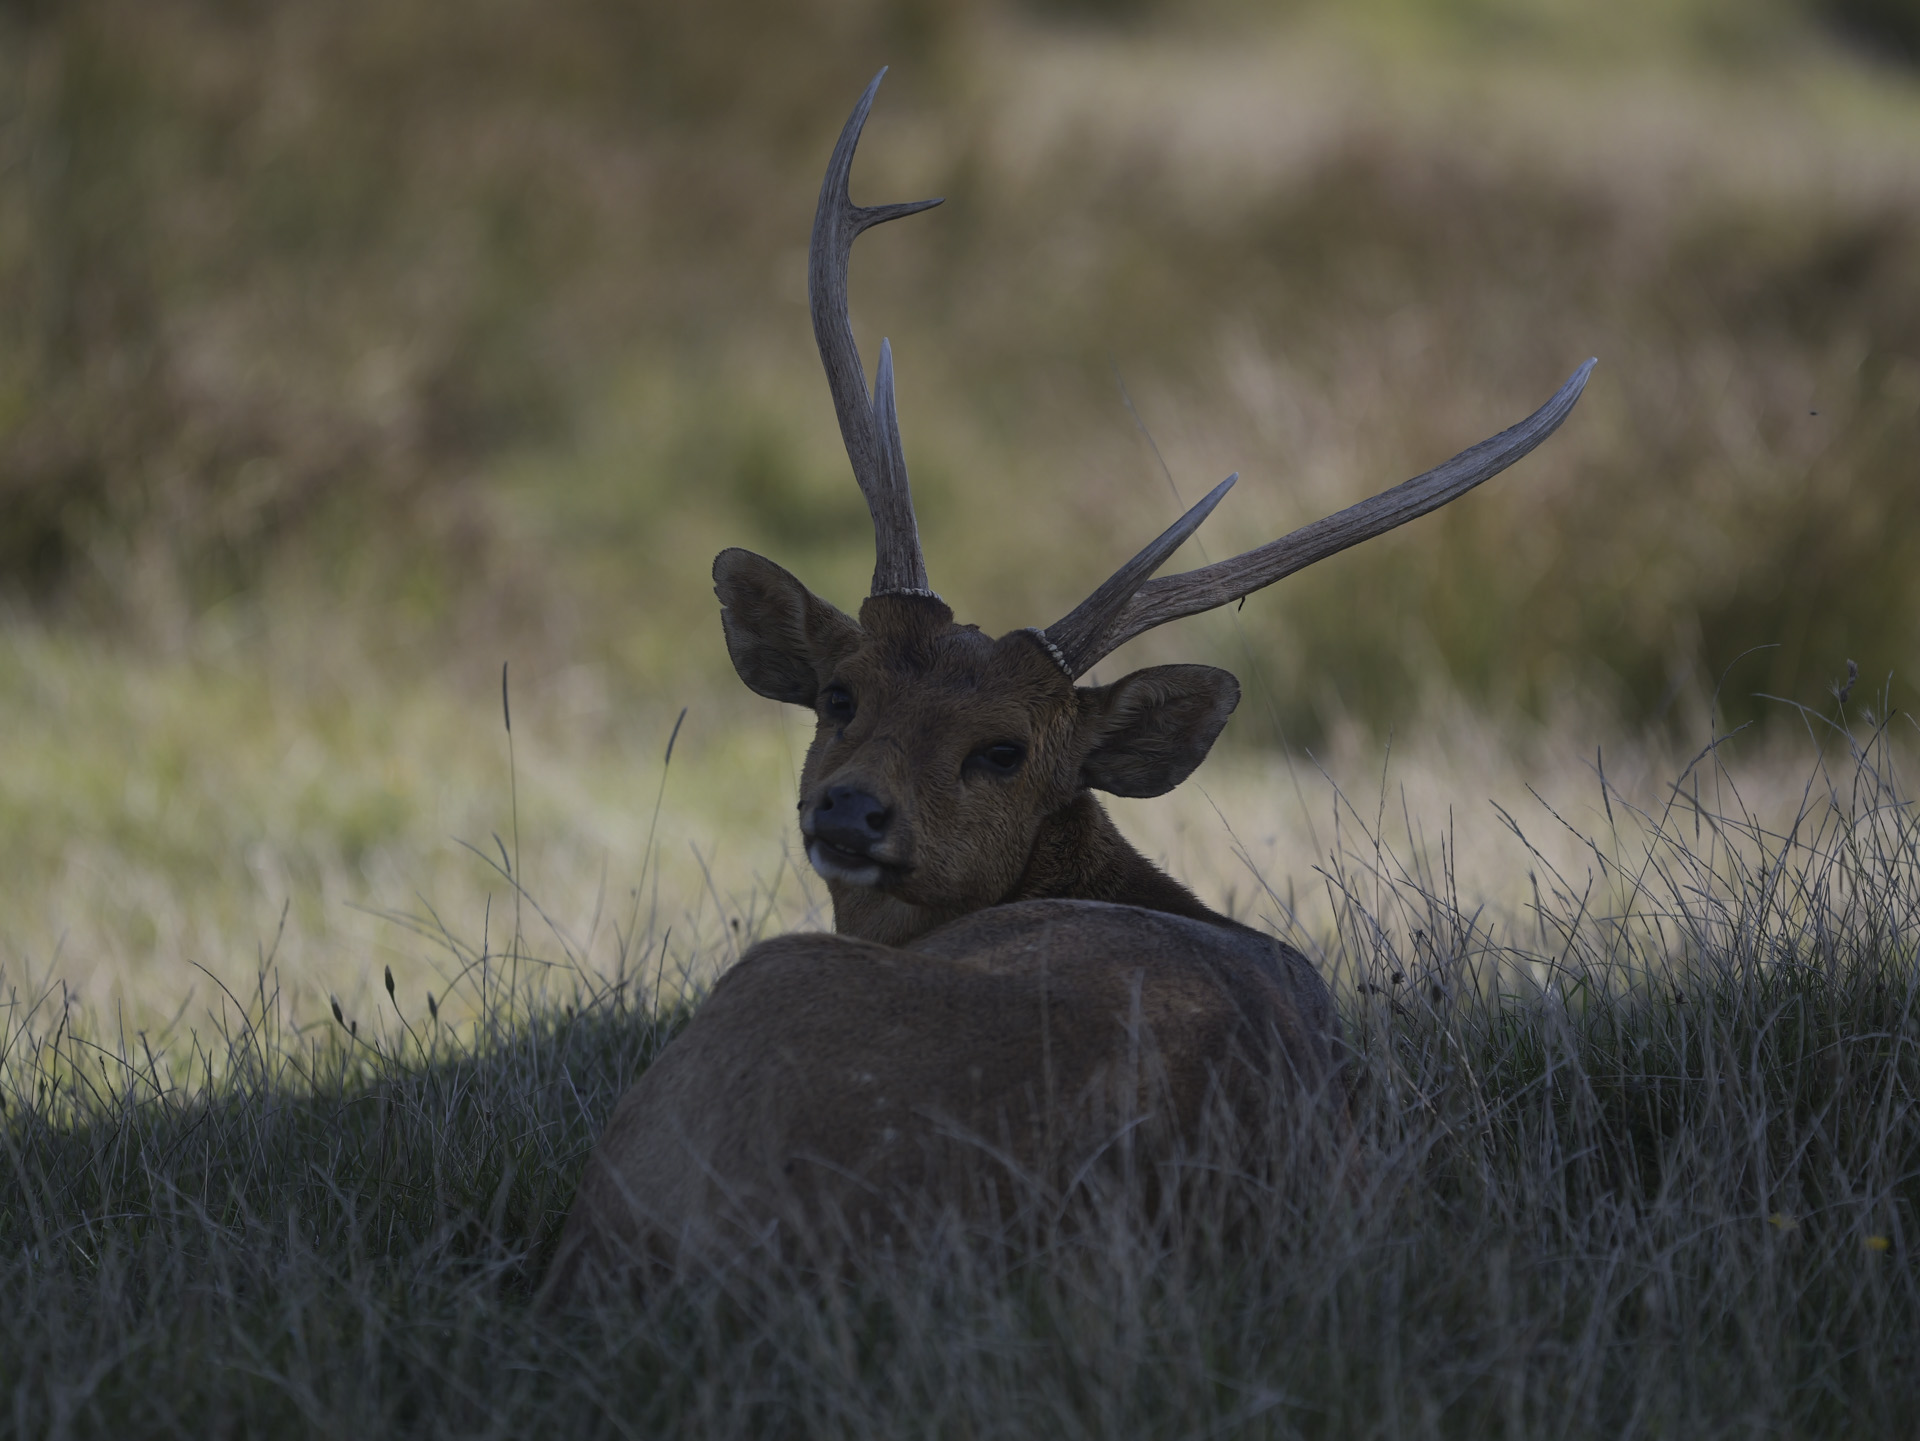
[162,820]
[1640,1160]
[488,328]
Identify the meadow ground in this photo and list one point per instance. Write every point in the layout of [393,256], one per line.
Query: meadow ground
[1640,1159]
[349,350]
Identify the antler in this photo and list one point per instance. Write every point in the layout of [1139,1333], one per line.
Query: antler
[1129,604]
[1080,632]
[870,428]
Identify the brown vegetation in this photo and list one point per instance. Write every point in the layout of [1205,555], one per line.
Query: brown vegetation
[288,285]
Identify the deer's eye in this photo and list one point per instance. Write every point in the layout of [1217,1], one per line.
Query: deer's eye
[1002,758]
[836,704]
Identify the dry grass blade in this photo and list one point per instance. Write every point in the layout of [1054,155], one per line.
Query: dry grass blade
[1658,1176]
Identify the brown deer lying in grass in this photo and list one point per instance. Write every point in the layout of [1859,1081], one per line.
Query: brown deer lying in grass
[1009,980]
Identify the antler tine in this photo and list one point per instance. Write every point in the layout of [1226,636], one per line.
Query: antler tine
[872,437]
[1075,639]
[893,464]
[1169,598]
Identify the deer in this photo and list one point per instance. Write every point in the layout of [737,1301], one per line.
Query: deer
[1002,959]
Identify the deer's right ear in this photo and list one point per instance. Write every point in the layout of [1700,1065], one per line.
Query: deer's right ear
[1148,731]
[783,638]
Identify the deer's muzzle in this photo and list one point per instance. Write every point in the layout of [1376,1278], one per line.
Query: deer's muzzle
[846,832]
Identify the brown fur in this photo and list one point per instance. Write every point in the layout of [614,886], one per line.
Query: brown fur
[1016,979]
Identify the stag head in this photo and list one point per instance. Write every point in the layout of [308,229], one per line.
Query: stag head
[951,770]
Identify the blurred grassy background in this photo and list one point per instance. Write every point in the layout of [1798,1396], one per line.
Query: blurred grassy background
[349,349]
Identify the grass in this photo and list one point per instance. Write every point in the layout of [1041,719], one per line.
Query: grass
[163,820]
[491,330]
[1638,1160]
[347,351]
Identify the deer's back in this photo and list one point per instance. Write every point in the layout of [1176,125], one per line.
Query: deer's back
[829,1076]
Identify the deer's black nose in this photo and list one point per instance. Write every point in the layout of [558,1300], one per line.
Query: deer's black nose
[850,820]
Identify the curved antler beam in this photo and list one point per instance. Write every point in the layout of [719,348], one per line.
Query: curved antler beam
[1171,597]
[868,426]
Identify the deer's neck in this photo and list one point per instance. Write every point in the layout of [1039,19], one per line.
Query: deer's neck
[1081,855]
[1078,855]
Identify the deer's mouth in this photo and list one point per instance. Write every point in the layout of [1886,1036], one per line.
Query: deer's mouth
[850,868]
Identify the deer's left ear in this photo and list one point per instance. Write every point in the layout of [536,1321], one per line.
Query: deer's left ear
[1148,731]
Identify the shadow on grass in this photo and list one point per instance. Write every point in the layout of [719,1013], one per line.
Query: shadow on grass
[1656,1170]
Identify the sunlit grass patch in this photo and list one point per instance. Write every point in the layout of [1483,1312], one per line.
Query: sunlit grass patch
[174,817]
[166,820]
